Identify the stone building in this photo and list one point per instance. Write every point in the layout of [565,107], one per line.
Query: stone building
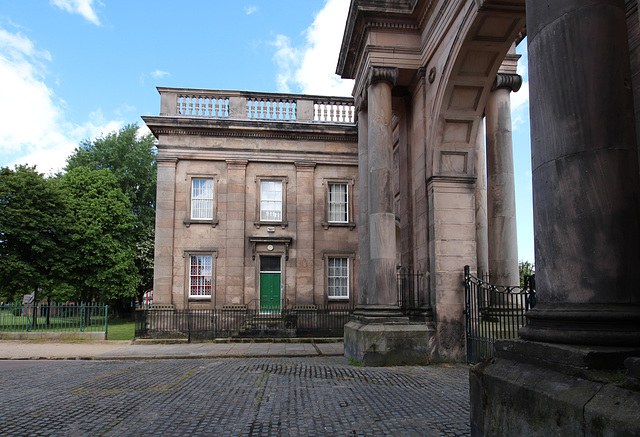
[256,200]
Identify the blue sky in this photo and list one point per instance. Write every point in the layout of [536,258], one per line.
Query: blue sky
[77,69]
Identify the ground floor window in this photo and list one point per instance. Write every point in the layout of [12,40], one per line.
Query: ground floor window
[200,277]
[338,278]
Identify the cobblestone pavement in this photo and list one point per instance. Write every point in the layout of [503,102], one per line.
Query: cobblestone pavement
[317,396]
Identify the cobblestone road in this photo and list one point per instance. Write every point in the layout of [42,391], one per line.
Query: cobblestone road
[231,397]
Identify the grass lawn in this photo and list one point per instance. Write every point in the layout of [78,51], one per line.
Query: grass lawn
[119,329]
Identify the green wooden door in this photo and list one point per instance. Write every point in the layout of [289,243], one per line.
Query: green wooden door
[270,280]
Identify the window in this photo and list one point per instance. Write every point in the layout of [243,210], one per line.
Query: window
[201,199]
[338,203]
[338,278]
[200,276]
[271,201]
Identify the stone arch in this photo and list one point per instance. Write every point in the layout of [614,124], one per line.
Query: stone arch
[477,50]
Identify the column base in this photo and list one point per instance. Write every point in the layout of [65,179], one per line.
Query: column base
[534,388]
[584,324]
[383,336]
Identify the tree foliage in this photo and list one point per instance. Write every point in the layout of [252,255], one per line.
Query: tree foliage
[32,221]
[84,234]
[526,268]
[101,236]
[131,159]
[132,162]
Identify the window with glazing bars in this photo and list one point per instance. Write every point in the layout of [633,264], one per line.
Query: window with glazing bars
[271,201]
[201,199]
[338,278]
[200,279]
[338,203]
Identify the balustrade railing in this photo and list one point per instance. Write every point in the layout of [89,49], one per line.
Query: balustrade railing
[256,106]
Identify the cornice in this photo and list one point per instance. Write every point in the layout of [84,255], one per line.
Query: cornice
[294,131]
[170,131]
[367,15]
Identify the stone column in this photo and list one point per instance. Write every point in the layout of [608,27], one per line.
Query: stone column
[165,220]
[586,187]
[363,204]
[501,195]
[586,206]
[382,231]
[482,244]
[235,241]
[304,232]
[378,333]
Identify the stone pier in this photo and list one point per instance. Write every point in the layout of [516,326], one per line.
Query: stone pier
[560,377]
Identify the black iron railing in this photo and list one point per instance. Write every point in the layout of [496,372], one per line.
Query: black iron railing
[493,312]
[237,321]
[409,288]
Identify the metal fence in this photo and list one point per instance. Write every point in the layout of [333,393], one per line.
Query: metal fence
[493,312]
[239,321]
[53,317]
[409,288]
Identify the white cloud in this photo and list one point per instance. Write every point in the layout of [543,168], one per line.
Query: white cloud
[287,60]
[82,7]
[33,129]
[158,74]
[311,69]
[251,10]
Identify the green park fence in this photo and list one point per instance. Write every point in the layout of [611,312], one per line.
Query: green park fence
[53,317]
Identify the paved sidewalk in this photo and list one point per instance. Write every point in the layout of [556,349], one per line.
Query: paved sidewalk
[125,350]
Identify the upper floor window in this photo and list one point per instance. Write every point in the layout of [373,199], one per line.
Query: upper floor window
[338,202]
[201,199]
[271,201]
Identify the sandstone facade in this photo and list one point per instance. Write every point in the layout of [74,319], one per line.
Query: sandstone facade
[262,187]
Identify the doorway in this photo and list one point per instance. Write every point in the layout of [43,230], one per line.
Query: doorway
[270,283]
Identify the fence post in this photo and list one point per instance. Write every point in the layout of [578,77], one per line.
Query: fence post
[188,325]
[82,310]
[106,325]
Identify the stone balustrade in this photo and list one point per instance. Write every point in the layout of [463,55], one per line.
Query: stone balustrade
[183,102]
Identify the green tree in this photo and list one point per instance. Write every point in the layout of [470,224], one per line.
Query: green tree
[526,269]
[131,159]
[32,221]
[100,245]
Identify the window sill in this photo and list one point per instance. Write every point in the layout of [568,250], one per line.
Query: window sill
[282,224]
[212,222]
[327,225]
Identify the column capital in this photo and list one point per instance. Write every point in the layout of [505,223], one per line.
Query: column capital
[507,80]
[167,161]
[237,163]
[304,165]
[387,74]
